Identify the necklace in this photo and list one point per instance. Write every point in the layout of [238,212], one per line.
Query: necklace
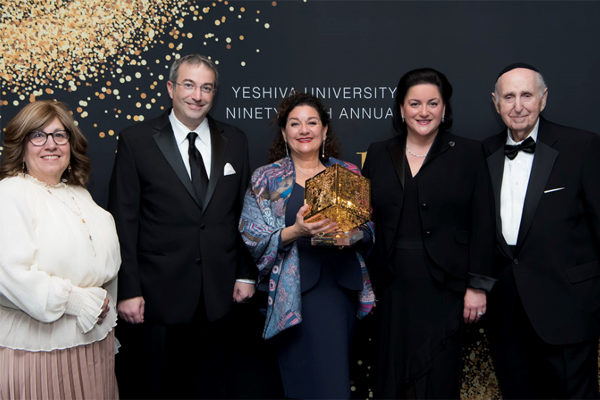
[76,210]
[414,154]
[313,171]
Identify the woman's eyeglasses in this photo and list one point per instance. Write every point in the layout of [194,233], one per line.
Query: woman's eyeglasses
[39,138]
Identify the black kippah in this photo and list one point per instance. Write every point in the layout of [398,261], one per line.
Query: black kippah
[515,66]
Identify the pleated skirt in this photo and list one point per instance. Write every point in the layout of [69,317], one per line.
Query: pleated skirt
[80,372]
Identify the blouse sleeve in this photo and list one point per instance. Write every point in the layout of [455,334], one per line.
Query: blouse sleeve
[42,296]
[259,227]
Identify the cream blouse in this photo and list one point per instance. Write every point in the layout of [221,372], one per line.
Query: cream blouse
[59,258]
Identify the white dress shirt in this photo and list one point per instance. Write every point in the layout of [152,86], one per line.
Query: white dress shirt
[202,142]
[515,180]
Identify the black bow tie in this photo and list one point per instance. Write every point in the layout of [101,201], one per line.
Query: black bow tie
[528,146]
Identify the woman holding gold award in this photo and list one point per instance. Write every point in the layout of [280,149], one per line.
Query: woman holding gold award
[314,292]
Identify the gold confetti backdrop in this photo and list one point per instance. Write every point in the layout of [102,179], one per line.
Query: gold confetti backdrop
[478,377]
[57,49]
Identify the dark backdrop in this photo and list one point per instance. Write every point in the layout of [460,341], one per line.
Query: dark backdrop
[362,46]
[109,60]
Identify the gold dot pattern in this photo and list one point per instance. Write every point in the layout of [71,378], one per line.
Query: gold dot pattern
[478,376]
[110,59]
[478,379]
[66,44]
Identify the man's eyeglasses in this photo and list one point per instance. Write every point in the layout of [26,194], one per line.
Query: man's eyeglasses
[39,138]
[189,87]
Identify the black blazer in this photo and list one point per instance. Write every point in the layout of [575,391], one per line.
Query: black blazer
[176,252]
[455,209]
[555,263]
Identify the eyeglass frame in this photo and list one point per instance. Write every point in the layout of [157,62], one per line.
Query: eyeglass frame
[46,134]
[207,88]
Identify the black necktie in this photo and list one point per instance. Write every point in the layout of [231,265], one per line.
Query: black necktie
[528,146]
[199,176]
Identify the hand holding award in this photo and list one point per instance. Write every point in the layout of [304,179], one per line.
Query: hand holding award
[341,196]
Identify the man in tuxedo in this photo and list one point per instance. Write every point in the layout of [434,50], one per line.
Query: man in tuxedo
[176,194]
[544,309]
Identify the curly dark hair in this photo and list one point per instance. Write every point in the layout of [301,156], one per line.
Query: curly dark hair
[35,116]
[277,150]
[417,77]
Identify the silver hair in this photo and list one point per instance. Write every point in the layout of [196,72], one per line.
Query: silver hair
[193,59]
[541,85]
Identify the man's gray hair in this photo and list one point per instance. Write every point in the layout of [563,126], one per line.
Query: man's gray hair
[193,59]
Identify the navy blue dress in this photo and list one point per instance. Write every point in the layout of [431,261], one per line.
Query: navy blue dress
[313,356]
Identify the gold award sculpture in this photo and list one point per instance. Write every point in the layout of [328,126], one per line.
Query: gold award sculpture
[342,196]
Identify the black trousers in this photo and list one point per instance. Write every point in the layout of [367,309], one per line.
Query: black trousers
[172,361]
[222,359]
[529,368]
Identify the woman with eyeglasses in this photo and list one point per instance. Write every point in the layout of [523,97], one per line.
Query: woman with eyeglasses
[59,257]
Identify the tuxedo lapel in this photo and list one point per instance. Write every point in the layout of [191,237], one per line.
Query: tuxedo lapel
[440,145]
[165,140]
[495,163]
[543,161]
[217,144]
[396,150]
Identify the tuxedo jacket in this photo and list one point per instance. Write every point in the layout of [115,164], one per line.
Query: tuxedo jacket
[555,261]
[178,250]
[455,209]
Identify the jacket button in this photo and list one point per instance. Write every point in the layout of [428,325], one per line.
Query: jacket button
[515,261]
[424,206]
[427,234]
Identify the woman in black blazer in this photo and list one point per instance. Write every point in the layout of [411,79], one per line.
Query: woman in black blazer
[433,214]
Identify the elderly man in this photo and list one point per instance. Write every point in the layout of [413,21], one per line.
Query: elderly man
[544,311]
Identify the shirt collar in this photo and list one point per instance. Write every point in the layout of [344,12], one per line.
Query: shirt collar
[533,134]
[181,131]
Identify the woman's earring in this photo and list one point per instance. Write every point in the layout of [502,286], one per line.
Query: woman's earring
[24,168]
[443,118]
[287,153]
[323,149]
[403,119]
[69,169]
